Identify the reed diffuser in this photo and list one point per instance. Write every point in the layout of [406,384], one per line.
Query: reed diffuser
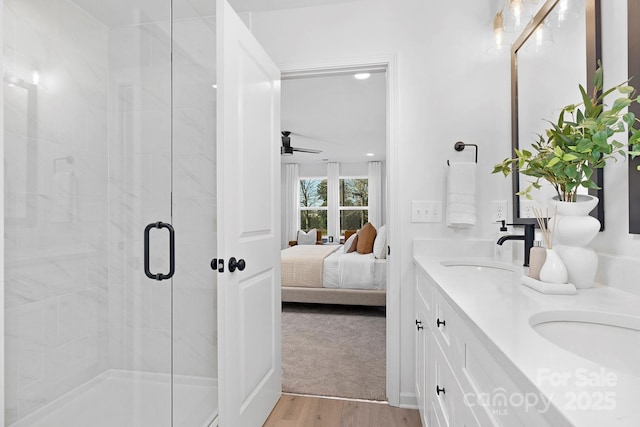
[547,234]
[553,269]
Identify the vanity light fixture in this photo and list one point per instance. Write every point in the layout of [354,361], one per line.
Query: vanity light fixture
[498,30]
[515,7]
[497,44]
[215,86]
[518,13]
[35,77]
[565,11]
[543,38]
[370,154]
[361,76]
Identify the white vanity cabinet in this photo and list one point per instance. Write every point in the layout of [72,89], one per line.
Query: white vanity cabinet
[440,397]
[458,383]
[423,345]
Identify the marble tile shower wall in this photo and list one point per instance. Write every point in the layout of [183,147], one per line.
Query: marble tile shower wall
[56,191]
[141,122]
[88,166]
[194,182]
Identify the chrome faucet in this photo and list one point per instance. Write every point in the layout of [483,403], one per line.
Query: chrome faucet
[528,237]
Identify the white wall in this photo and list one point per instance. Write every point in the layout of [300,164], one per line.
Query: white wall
[2,347]
[448,90]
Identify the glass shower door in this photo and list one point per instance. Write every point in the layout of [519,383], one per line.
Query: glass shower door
[140,171]
[106,133]
[195,367]
[88,149]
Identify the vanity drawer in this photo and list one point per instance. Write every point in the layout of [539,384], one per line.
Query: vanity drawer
[490,390]
[447,327]
[425,287]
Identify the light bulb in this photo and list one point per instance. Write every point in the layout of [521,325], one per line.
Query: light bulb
[562,12]
[499,38]
[497,43]
[516,6]
[539,36]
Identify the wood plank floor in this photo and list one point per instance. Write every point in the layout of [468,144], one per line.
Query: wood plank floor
[304,411]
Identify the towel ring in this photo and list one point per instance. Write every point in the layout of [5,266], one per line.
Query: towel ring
[459,146]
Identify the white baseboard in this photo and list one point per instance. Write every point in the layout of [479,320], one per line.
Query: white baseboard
[408,401]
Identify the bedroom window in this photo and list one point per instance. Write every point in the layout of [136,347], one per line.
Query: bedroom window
[313,204]
[354,203]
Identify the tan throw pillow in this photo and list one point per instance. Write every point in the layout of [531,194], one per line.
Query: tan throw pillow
[366,237]
[353,246]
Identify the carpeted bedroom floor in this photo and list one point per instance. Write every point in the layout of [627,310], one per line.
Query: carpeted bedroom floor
[330,350]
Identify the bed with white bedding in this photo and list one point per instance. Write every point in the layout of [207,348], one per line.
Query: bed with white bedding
[353,271]
[346,278]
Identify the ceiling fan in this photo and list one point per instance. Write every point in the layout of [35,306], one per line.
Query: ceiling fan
[287,149]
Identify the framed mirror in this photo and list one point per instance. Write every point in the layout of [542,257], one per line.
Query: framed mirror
[558,50]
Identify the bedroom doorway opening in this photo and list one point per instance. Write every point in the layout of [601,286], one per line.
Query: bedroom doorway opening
[334,325]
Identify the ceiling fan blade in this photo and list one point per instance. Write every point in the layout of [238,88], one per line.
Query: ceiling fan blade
[306,150]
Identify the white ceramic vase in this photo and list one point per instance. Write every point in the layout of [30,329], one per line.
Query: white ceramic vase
[575,229]
[553,270]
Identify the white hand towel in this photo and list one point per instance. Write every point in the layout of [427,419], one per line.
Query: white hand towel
[461,194]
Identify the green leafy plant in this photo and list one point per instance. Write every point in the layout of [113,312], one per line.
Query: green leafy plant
[578,142]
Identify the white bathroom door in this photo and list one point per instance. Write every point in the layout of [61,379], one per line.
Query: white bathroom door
[249,300]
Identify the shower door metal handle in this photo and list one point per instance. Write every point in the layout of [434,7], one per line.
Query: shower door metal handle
[172,251]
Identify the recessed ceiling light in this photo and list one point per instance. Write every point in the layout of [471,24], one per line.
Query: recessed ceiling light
[361,76]
[370,154]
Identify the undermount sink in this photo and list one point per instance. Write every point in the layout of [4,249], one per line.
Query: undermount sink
[479,265]
[608,339]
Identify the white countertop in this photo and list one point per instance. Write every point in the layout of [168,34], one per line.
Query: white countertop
[498,310]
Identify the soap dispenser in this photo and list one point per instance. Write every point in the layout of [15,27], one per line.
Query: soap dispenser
[503,252]
[537,257]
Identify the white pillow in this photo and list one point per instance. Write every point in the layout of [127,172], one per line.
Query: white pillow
[349,242]
[308,238]
[380,244]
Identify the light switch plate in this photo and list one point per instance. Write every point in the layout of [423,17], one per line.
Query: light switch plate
[426,211]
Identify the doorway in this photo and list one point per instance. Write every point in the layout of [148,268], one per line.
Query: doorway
[316,169]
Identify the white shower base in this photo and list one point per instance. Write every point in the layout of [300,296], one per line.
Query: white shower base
[131,399]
